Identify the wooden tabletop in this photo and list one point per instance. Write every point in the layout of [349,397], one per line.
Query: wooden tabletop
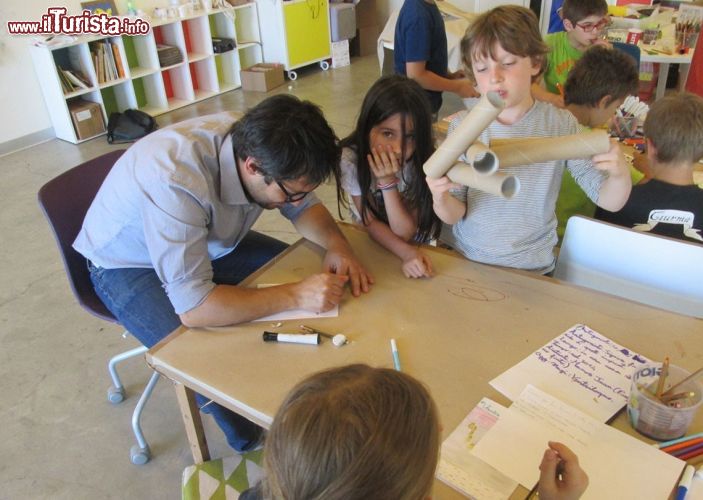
[455,332]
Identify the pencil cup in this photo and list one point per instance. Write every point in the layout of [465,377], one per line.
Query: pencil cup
[624,127]
[654,418]
[634,35]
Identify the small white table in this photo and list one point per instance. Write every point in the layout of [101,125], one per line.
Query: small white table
[683,60]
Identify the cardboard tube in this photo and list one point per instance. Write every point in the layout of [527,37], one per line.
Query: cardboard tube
[485,166]
[566,147]
[485,111]
[498,184]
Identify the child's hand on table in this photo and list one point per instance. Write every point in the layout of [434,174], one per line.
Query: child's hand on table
[561,476]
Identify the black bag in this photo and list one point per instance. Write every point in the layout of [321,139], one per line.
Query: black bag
[129,126]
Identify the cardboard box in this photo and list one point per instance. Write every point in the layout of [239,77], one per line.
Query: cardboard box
[365,41]
[366,13]
[262,77]
[87,118]
[340,54]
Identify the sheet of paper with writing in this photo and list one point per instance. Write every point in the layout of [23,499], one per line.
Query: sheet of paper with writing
[618,466]
[580,367]
[461,470]
[295,313]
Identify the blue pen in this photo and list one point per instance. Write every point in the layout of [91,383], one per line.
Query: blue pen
[685,482]
[396,359]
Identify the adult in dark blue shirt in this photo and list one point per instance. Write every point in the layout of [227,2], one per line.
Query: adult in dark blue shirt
[420,52]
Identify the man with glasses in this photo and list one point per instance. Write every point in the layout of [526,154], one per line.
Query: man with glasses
[585,22]
[168,238]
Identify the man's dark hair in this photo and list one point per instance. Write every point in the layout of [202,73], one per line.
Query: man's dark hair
[601,72]
[577,10]
[289,139]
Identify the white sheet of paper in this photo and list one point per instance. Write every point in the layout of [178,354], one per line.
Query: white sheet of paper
[618,466]
[300,314]
[295,313]
[580,367]
[461,470]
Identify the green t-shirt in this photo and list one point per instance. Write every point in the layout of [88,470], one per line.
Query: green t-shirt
[560,60]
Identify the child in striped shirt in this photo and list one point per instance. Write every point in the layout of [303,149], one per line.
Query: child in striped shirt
[504,50]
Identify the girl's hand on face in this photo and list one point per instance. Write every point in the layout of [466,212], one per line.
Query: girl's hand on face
[384,164]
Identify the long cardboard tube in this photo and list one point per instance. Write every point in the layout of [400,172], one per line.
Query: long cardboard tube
[485,111]
[488,164]
[566,147]
[498,184]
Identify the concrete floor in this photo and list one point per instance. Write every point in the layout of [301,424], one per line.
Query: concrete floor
[60,437]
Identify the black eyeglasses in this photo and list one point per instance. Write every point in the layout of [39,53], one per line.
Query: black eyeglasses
[292,197]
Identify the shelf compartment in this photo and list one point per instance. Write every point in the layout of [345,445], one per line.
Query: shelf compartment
[227,65]
[75,59]
[118,98]
[222,25]
[250,55]
[141,55]
[178,87]
[246,24]
[151,94]
[203,76]
[196,35]
[108,61]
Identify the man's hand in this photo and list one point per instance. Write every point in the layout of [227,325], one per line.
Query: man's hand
[417,265]
[465,88]
[320,292]
[384,164]
[561,477]
[343,263]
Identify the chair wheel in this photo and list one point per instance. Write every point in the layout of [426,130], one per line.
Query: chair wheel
[138,455]
[115,395]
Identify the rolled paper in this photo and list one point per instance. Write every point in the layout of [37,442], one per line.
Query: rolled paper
[487,165]
[485,111]
[565,147]
[498,184]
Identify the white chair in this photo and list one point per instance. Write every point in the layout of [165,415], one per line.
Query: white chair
[655,270]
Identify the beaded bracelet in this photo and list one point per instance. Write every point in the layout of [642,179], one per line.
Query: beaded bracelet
[390,185]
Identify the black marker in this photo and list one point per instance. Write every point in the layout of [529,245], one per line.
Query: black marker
[295,338]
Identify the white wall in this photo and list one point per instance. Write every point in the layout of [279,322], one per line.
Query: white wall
[21,102]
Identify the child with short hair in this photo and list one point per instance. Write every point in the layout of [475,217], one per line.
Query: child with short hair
[584,22]
[670,204]
[381,171]
[357,433]
[596,87]
[505,51]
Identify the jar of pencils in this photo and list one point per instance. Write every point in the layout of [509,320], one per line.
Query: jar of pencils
[663,401]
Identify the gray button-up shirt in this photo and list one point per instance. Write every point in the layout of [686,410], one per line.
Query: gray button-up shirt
[174,202]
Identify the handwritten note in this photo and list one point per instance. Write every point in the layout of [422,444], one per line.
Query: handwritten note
[461,470]
[296,313]
[580,367]
[618,465]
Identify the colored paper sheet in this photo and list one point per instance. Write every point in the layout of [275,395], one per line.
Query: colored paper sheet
[460,469]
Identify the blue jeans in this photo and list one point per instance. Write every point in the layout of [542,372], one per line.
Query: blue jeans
[137,299]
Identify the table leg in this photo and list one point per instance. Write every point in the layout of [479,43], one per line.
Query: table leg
[683,76]
[661,82]
[193,423]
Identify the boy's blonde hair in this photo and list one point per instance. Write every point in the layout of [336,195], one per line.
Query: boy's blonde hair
[674,124]
[350,433]
[515,28]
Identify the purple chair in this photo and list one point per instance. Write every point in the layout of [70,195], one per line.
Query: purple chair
[65,201]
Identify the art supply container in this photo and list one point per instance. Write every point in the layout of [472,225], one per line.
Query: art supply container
[624,127]
[658,420]
[650,35]
[634,35]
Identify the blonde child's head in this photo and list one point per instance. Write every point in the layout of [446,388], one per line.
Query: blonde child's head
[514,28]
[353,432]
[674,126]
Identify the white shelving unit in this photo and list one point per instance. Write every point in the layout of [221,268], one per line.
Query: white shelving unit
[146,85]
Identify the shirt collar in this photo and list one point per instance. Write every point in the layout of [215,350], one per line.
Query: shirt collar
[231,189]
